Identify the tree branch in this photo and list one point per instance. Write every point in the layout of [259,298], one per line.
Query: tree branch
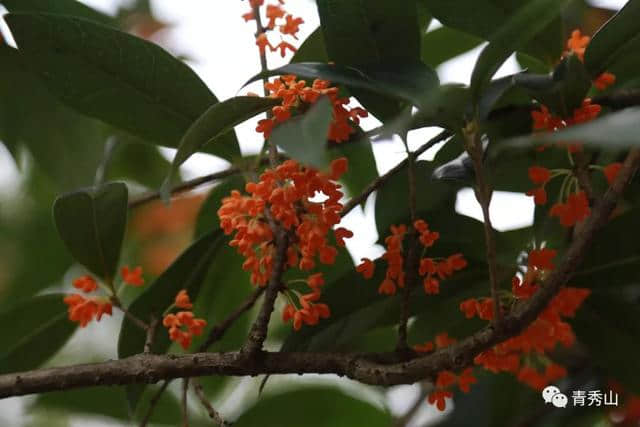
[213,414]
[154,401]
[185,186]
[379,182]
[218,331]
[483,192]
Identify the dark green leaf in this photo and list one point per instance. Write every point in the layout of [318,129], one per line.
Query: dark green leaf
[92,223]
[312,49]
[141,163]
[59,7]
[445,43]
[410,82]
[32,332]
[511,35]
[216,122]
[305,137]
[604,323]
[483,17]
[187,272]
[289,408]
[66,146]
[615,130]
[619,37]
[362,163]
[448,106]
[118,78]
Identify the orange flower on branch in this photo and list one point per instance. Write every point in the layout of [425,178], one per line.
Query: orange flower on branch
[183,325]
[86,284]
[132,277]
[84,310]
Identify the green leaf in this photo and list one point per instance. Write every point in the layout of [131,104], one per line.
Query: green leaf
[187,272]
[528,21]
[410,82]
[32,331]
[217,121]
[290,408]
[91,223]
[604,323]
[141,163]
[612,131]
[362,163]
[445,43]
[59,7]
[312,49]
[612,262]
[66,146]
[376,32]
[123,80]
[447,107]
[619,37]
[483,17]
[305,137]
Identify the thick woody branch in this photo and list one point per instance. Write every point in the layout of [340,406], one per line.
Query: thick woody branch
[375,369]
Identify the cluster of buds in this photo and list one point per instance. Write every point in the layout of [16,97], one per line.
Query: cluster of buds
[516,354]
[278,18]
[83,309]
[429,268]
[310,311]
[296,96]
[289,194]
[183,325]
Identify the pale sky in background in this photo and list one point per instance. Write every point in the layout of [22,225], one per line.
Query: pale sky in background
[212,33]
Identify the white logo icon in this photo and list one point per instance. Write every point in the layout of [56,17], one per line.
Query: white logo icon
[559,400]
[549,392]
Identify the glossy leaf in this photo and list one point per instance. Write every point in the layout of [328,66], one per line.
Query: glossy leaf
[305,137]
[114,84]
[618,38]
[92,223]
[528,21]
[410,82]
[65,145]
[216,122]
[288,408]
[445,43]
[32,331]
[312,49]
[59,7]
[611,131]
[483,18]
[604,323]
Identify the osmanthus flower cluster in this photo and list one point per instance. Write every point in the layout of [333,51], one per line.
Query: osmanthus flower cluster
[289,194]
[183,325]
[572,206]
[433,270]
[83,309]
[525,355]
[445,380]
[279,19]
[296,98]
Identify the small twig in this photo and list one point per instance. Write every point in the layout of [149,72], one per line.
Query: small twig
[153,402]
[151,333]
[185,402]
[218,331]
[483,192]
[213,414]
[381,180]
[185,186]
[115,301]
[581,171]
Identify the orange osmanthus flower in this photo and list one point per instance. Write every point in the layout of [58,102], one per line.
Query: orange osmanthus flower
[183,325]
[611,172]
[183,301]
[85,283]
[132,277]
[575,210]
[84,310]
